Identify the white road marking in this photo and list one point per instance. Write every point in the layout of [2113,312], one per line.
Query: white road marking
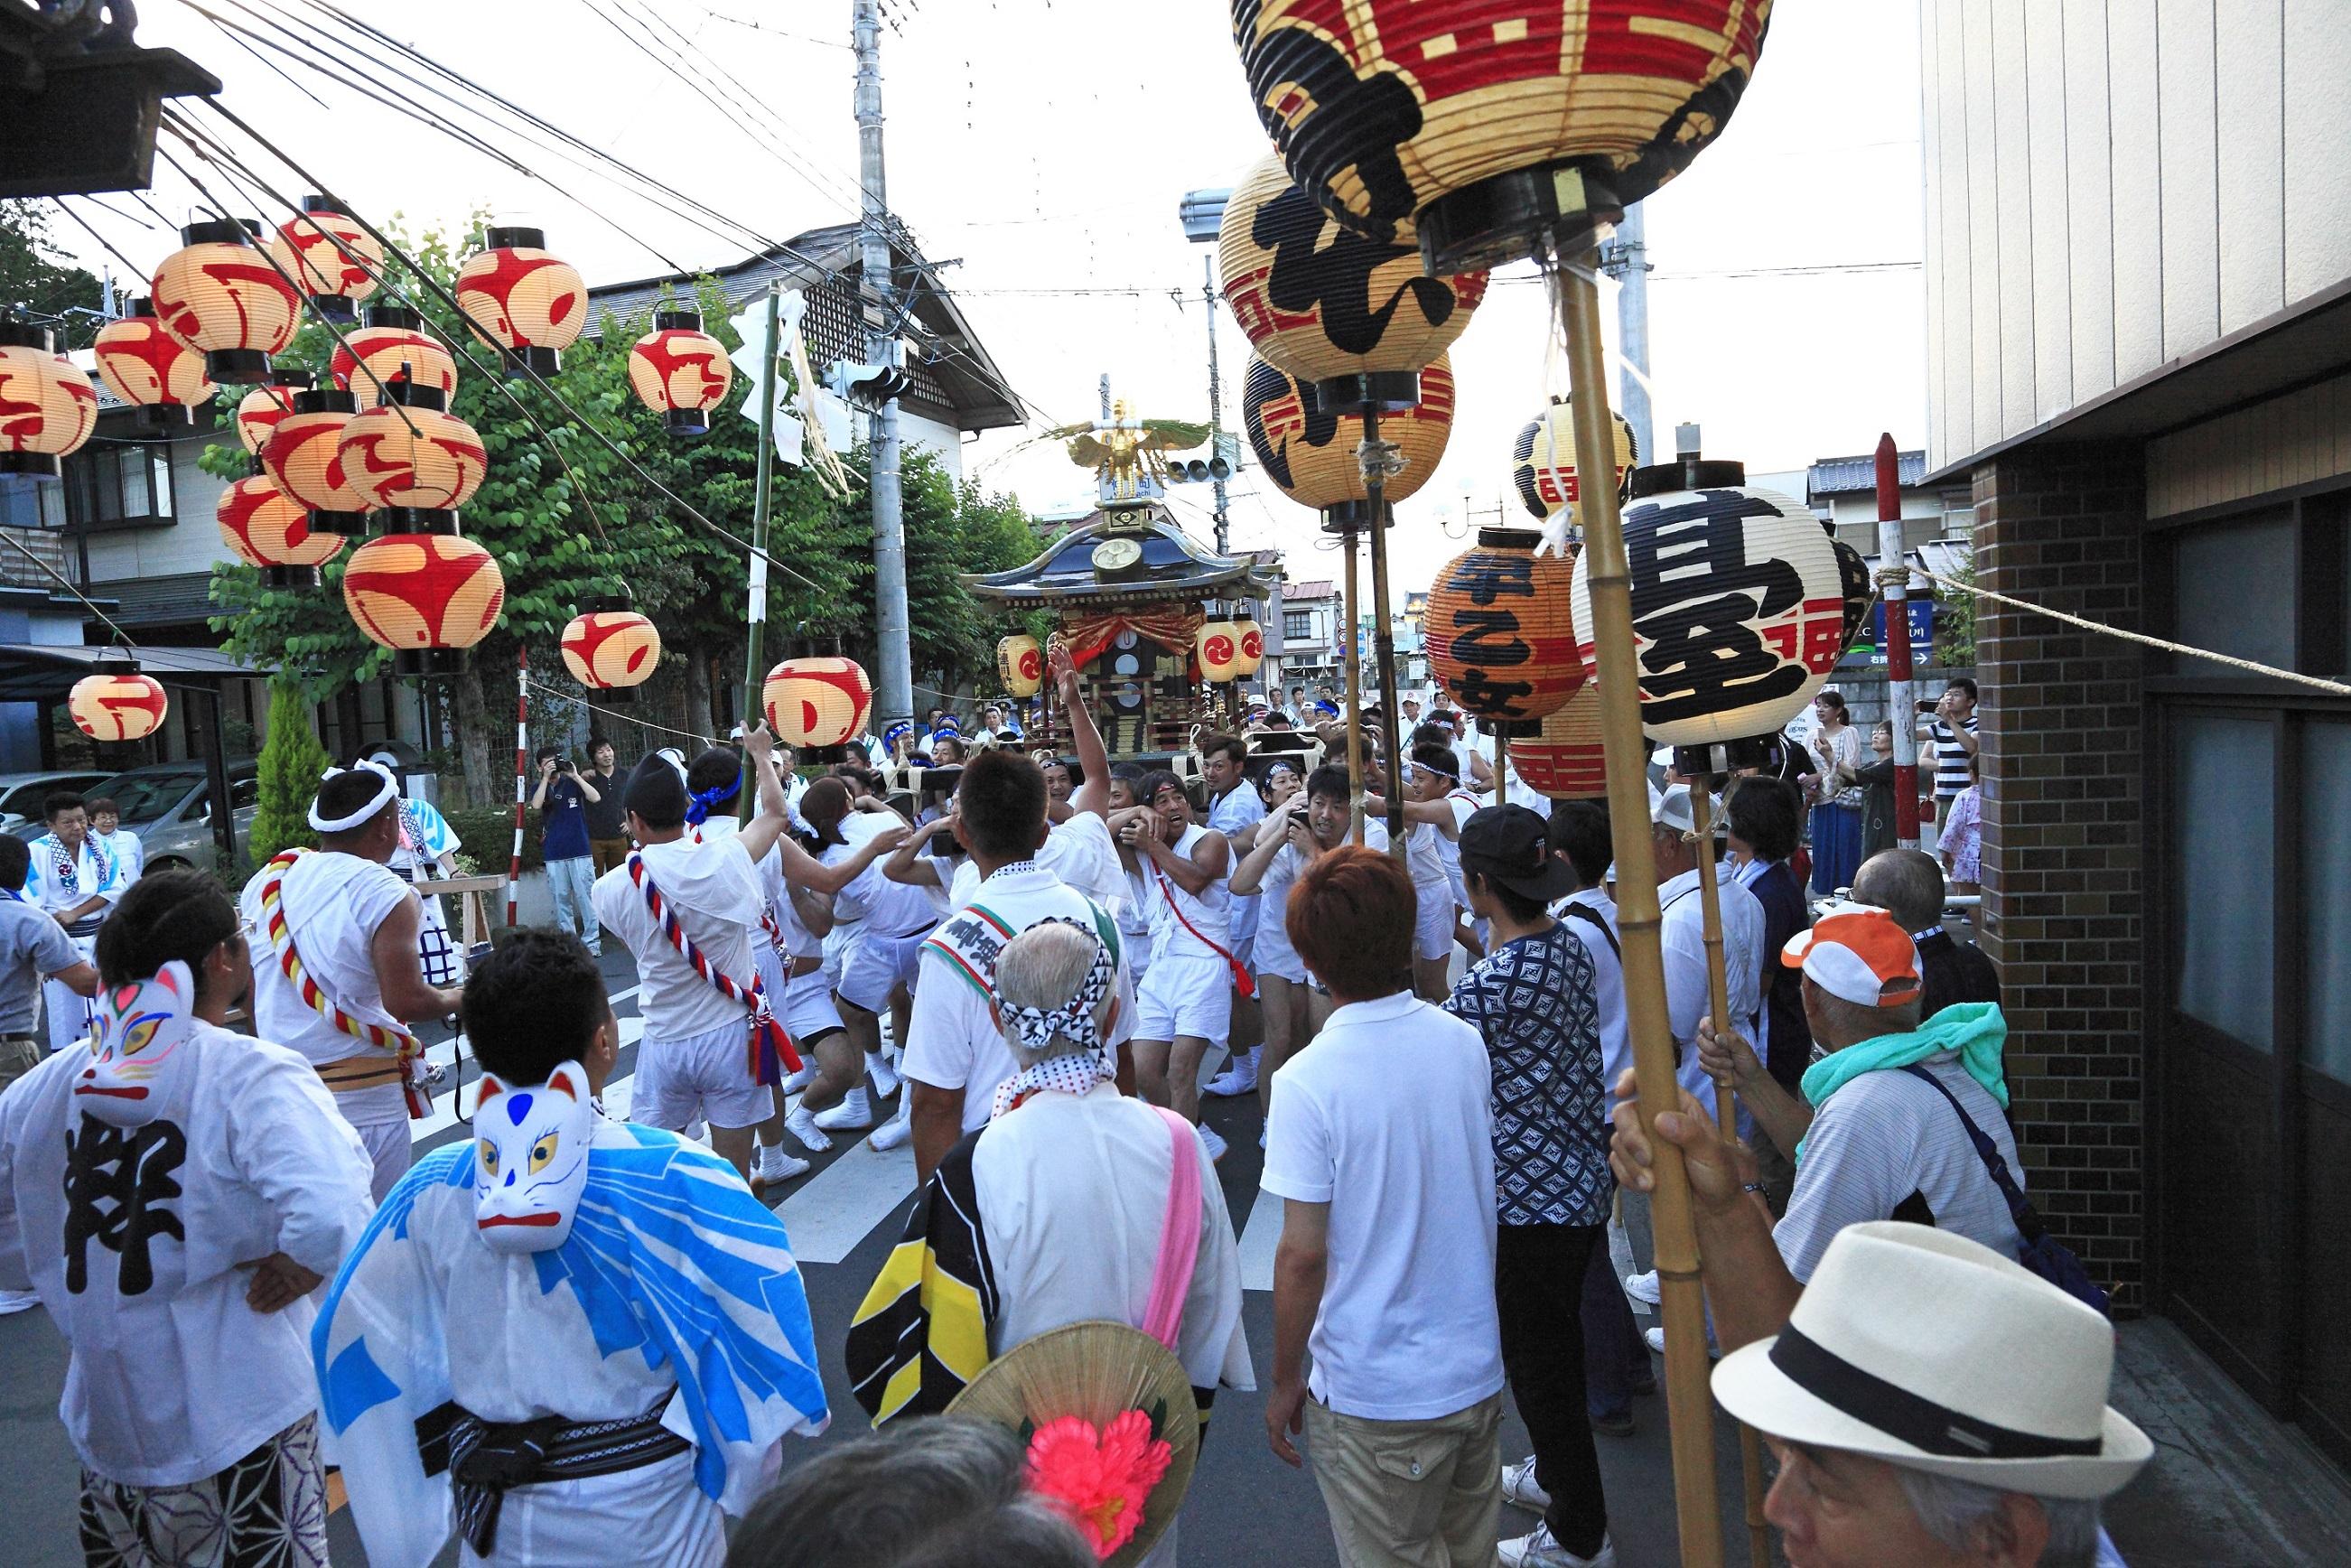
[843,1203]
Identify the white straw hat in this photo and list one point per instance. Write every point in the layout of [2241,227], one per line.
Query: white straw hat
[1932,1352]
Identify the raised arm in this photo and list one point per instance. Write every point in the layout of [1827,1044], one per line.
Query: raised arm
[1094,758]
[910,863]
[1438,811]
[761,832]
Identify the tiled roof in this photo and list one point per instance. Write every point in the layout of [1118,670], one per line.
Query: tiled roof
[1304,591]
[1836,476]
[170,600]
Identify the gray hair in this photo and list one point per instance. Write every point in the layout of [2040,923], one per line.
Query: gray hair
[1906,883]
[1044,968]
[1957,1512]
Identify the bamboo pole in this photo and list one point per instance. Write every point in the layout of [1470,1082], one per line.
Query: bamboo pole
[754,617]
[1354,701]
[1379,463]
[1689,1406]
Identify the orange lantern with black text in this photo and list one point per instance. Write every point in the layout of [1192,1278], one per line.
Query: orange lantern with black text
[1499,633]
[117,703]
[1565,761]
[152,370]
[1542,460]
[605,649]
[411,451]
[1217,646]
[680,371]
[1020,666]
[1311,455]
[259,411]
[269,528]
[522,301]
[222,294]
[426,596]
[816,701]
[389,347]
[304,454]
[335,261]
[47,407]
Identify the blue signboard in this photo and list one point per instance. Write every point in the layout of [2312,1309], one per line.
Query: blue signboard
[1921,615]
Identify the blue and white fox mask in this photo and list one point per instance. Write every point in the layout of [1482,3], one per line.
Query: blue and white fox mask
[531,1154]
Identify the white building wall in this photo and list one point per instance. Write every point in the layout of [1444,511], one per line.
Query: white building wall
[192,544]
[941,440]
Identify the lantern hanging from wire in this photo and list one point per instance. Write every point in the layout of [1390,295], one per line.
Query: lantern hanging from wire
[1500,634]
[1251,643]
[1492,123]
[47,407]
[1739,610]
[680,371]
[304,454]
[221,293]
[411,451]
[259,411]
[1860,592]
[1216,648]
[522,301]
[115,703]
[1311,455]
[152,370]
[1542,460]
[391,346]
[266,528]
[611,648]
[1564,761]
[426,596]
[1326,304]
[817,702]
[336,262]
[1020,666]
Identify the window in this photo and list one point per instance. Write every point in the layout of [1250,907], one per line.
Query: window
[2326,924]
[2233,592]
[1297,626]
[29,503]
[125,482]
[2223,769]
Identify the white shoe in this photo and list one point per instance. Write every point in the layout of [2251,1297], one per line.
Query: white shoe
[774,1167]
[800,1123]
[1656,1338]
[1645,1288]
[893,1133]
[854,1115]
[13,1301]
[1218,1147]
[1519,1487]
[795,1081]
[1539,1550]
[885,1077]
[1238,1079]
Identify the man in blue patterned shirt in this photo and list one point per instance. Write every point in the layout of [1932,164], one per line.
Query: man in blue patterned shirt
[1535,1001]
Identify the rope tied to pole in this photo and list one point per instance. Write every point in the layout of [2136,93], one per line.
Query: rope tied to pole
[1381,460]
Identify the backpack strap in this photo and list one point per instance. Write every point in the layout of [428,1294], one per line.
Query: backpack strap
[2020,1210]
[1592,917]
[1179,1234]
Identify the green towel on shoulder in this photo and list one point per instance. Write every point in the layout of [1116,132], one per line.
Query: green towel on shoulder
[1976,1030]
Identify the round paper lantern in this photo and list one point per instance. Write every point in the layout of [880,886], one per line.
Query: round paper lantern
[1492,122]
[1542,459]
[1252,640]
[1311,455]
[1323,303]
[118,704]
[411,452]
[425,596]
[607,648]
[223,295]
[1498,631]
[1020,666]
[269,528]
[1860,592]
[522,301]
[304,454]
[335,260]
[679,372]
[259,411]
[1218,647]
[47,407]
[391,346]
[152,370]
[1738,608]
[817,702]
[1565,761]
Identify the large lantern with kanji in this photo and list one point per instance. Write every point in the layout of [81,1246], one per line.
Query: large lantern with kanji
[411,451]
[522,301]
[1542,460]
[266,528]
[426,596]
[1250,641]
[1311,455]
[304,454]
[1020,666]
[335,261]
[1500,634]
[605,649]
[391,346]
[1325,303]
[1216,647]
[152,370]
[117,703]
[1739,609]
[1564,761]
[1492,123]
[221,293]
[680,371]
[47,407]
[817,702]
[1852,574]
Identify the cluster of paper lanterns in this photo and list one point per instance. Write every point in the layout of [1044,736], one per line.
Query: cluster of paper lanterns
[611,648]
[1542,461]
[1020,666]
[1310,454]
[1500,631]
[817,702]
[51,405]
[1229,646]
[680,371]
[117,703]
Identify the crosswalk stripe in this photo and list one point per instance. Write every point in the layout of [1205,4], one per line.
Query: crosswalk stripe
[843,1203]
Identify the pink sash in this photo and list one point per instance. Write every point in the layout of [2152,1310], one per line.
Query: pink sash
[1179,1234]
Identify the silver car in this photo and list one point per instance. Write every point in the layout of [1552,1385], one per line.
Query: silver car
[21,794]
[169,806]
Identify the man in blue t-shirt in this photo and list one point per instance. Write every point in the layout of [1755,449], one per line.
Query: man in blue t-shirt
[562,800]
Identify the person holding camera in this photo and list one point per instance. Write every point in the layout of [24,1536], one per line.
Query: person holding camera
[561,801]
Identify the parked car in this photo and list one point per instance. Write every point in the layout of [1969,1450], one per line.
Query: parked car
[169,806]
[21,794]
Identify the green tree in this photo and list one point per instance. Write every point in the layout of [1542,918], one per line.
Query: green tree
[34,273]
[1955,618]
[289,765]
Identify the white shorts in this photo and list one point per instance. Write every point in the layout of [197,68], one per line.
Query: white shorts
[1432,929]
[705,1075]
[878,964]
[839,943]
[390,1149]
[1185,993]
[1277,958]
[806,1008]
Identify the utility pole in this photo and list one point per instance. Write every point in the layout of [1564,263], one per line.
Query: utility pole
[1105,397]
[894,652]
[1202,213]
[1625,258]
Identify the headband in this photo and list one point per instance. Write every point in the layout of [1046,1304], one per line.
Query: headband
[698,804]
[1037,1028]
[1272,769]
[361,818]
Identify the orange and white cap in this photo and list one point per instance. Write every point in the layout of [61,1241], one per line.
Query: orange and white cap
[1859,954]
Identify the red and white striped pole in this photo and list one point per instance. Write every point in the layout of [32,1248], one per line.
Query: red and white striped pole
[1894,576]
[522,762]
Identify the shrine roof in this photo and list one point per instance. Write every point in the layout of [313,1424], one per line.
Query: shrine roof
[1171,564]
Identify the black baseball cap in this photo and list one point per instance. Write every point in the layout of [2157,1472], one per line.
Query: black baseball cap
[1512,845]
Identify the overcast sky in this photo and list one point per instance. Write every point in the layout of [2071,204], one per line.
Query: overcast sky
[1044,145]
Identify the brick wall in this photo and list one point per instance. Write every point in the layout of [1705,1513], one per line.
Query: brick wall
[2062,859]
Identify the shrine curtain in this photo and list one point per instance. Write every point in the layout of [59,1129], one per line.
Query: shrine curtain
[1172,627]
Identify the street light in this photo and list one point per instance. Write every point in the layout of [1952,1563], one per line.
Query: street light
[1202,213]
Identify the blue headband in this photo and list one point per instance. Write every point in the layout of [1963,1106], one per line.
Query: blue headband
[699,812]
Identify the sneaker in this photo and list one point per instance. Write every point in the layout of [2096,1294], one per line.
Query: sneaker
[772,1167]
[854,1115]
[1644,1382]
[1518,1486]
[893,1133]
[13,1301]
[1218,1147]
[886,1076]
[1541,1550]
[1236,1079]
[1656,1338]
[1614,1424]
[1645,1288]
[800,1121]
[796,1081]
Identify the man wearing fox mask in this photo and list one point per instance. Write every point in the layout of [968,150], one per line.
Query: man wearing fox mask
[176,1192]
[569,1340]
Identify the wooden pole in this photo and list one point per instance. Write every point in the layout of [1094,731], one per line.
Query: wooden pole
[1689,1406]
[1379,462]
[1354,700]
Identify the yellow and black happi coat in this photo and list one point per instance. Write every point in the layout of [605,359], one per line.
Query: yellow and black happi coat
[921,1333]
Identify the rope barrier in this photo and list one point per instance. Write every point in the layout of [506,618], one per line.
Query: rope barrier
[561,696]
